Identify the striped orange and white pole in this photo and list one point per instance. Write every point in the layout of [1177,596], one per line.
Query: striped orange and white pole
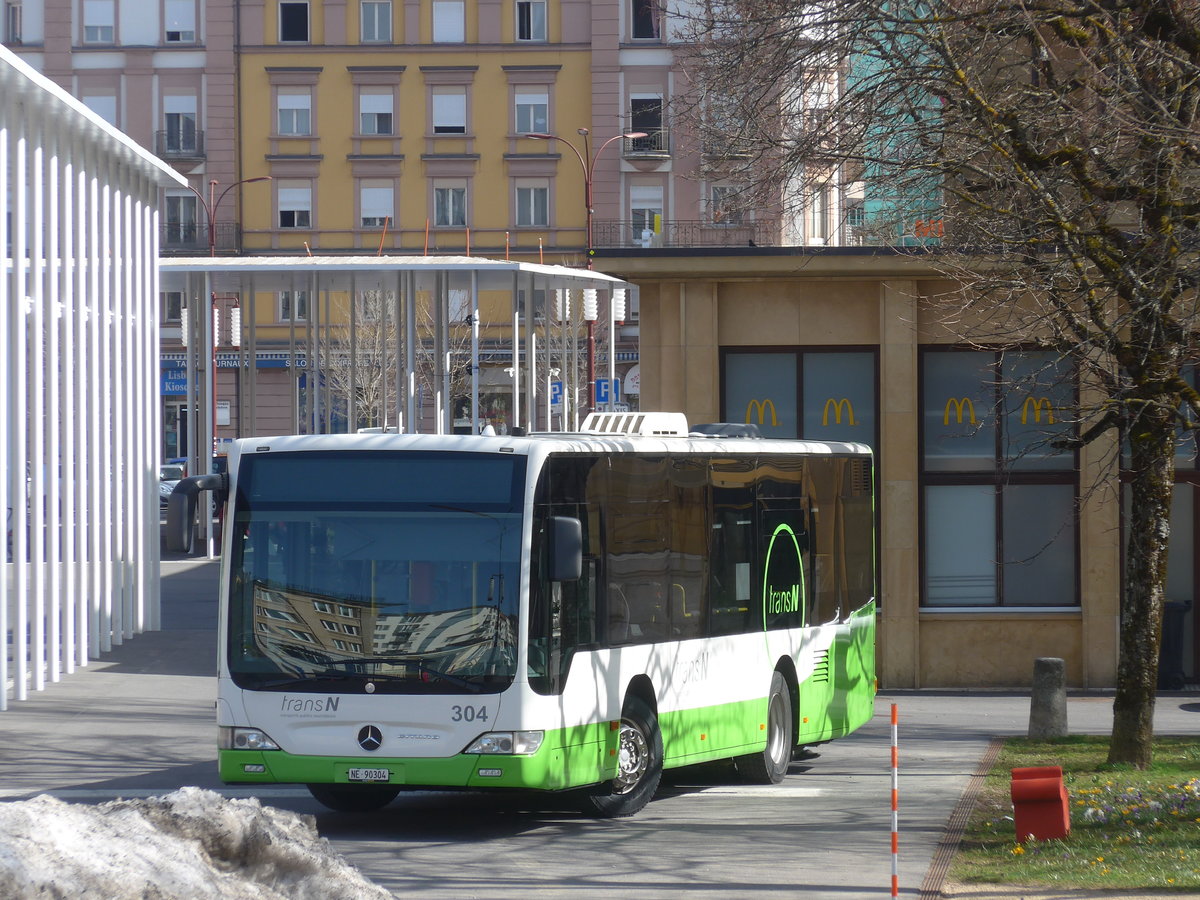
[895,804]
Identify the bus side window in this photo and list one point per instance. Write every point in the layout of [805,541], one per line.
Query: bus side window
[731,552]
[688,511]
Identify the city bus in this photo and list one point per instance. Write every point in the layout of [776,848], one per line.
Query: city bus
[566,612]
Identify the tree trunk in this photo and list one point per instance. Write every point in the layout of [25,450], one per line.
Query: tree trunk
[1152,449]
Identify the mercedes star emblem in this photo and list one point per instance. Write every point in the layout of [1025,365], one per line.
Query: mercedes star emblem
[370,737]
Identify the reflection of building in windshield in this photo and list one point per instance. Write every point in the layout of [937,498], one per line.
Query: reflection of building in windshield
[293,625]
[298,620]
[440,632]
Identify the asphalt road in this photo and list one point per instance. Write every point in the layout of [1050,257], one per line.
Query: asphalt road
[140,722]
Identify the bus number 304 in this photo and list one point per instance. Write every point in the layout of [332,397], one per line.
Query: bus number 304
[468,714]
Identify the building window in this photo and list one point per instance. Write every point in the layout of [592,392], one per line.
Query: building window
[531,20]
[293,21]
[103,105]
[375,111]
[376,21]
[295,205]
[998,512]
[818,218]
[302,636]
[294,111]
[172,306]
[179,217]
[646,208]
[646,115]
[375,306]
[179,122]
[539,303]
[12,22]
[450,204]
[533,204]
[723,205]
[821,395]
[645,18]
[532,111]
[99,21]
[292,306]
[180,21]
[449,22]
[376,202]
[449,110]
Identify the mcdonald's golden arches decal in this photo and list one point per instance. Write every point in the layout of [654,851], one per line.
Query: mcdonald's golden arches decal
[814,394]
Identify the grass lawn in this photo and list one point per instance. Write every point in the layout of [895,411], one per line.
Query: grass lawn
[1129,829]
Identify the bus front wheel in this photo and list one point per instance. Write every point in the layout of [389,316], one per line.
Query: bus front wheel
[769,766]
[639,769]
[353,798]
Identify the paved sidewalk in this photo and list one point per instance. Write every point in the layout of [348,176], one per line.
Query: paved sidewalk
[141,721]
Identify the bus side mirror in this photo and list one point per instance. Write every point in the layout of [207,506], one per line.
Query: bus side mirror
[566,548]
[181,508]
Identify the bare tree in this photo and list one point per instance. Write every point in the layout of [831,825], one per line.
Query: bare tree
[360,357]
[1044,155]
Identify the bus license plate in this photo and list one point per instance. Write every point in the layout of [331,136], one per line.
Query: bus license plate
[369,774]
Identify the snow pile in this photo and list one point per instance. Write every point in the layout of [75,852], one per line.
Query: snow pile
[189,843]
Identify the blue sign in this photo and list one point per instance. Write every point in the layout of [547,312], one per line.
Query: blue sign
[608,390]
[174,382]
[556,393]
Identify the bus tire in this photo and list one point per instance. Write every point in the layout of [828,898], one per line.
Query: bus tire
[353,798]
[769,766]
[639,768]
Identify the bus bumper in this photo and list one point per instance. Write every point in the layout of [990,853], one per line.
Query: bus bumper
[563,761]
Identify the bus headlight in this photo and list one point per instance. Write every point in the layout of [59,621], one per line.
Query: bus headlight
[244,739]
[513,743]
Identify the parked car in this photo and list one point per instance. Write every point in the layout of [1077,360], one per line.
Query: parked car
[169,475]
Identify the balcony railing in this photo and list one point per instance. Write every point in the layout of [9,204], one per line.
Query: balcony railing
[684,233]
[657,142]
[181,238]
[179,144]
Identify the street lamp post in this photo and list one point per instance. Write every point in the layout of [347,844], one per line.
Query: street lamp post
[210,213]
[587,162]
[213,202]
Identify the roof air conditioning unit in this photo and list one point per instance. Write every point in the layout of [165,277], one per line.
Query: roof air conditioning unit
[657,424]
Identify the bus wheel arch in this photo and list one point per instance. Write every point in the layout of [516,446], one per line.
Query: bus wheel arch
[640,763]
[770,765]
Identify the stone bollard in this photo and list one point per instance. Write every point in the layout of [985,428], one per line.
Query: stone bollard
[1048,707]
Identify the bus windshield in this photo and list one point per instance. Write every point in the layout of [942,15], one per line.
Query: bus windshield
[375,571]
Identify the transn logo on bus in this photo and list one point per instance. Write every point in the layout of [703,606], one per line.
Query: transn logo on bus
[309,704]
[785,601]
[783,575]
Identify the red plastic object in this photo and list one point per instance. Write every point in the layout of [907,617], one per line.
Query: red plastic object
[1041,809]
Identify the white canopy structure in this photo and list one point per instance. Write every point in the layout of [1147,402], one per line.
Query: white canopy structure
[443,279]
[78,381]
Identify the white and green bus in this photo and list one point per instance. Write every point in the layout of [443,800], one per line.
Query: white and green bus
[552,612]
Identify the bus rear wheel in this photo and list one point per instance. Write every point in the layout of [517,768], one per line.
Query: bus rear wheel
[353,798]
[769,766]
[639,767]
